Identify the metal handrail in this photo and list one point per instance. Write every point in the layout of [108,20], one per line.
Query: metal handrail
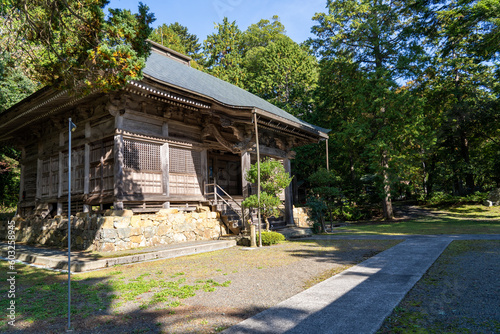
[217,195]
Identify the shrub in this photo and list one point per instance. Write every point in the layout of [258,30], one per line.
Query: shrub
[441,198]
[270,238]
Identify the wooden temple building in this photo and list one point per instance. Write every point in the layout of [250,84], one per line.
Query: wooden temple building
[158,143]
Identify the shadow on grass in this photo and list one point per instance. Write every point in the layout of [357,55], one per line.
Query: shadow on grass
[342,252]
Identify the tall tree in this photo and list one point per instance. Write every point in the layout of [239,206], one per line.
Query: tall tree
[283,73]
[461,84]
[166,36]
[262,33]
[71,44]
[223,53]
[190,41]
[374,34]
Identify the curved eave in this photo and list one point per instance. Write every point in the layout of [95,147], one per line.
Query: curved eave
[316,131]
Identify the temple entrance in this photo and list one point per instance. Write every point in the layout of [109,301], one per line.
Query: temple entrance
[224,169]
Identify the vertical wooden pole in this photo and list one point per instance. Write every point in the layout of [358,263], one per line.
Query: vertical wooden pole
[327,158]
[288,195]
[118,164]
[258,174]
[71,126]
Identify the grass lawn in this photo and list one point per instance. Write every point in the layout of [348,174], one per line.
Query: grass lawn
[142,297]
[464,219]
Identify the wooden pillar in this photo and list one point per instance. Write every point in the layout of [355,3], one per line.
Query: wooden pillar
[21,181]
[86,167]
[39,167]
[288,195]
[118,165]
[164,159]
[204,170]
[61,168]
[245,166]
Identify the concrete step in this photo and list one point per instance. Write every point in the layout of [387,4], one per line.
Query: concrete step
[295,232]
[57,259]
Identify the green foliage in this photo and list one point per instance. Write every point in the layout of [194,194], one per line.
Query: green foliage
[273,177]
[268,204]
[439,198]
[223,53]
[282,73]
[9,176]
[73,45]
[262,33]
[166,36]
[176,37]
[270,238]
[318,212]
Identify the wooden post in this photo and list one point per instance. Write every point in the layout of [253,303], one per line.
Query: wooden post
[118,177]
[288,195]
[86,166]
[327,158]
[164,168]
[245,166]
[204,170]
[258,174]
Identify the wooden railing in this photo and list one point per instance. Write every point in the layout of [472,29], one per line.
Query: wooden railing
[215,197]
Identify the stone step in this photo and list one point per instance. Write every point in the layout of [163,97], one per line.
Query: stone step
[295,232]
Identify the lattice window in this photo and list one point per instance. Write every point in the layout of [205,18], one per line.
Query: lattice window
[101,166]
[141,156]
[50,176]
[77,171]
[184,161]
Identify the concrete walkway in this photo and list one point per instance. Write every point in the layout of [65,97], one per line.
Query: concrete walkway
[359,299]
[85,261]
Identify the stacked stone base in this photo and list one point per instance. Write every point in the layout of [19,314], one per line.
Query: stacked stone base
[118,230]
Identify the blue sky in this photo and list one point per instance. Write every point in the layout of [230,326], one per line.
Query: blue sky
[199,15]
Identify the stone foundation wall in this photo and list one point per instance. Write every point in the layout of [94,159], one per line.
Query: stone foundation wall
[118,230]
[301,216]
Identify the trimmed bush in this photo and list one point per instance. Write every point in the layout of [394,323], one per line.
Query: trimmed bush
[270,238]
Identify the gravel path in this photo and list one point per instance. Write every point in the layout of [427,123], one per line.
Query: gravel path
[460,293]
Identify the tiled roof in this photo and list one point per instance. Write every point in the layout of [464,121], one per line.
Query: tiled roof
[177,74]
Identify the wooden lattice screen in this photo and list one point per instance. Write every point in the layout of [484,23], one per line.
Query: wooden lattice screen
[184,171]
[142,167]
[77,171]
[141,156]
[101,166]
[50,176]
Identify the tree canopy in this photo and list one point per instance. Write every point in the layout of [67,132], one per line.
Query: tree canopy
[73,45]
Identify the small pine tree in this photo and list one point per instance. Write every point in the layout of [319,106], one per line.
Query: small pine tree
[273,179]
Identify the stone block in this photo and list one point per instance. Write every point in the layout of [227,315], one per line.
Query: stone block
[149,232]
[119,213]
[123,232]
[108,233]
[163,230]
[179,238]
[202,208]
[167,211]
[83,215]
[135,221]
[136,231]
[121,223]
[494,196]
[136,239]
[107,247]
[107,222]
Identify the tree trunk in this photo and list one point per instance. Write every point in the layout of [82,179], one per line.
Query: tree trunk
[386,202]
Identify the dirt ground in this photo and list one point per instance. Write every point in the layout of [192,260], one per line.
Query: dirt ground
[258,279]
